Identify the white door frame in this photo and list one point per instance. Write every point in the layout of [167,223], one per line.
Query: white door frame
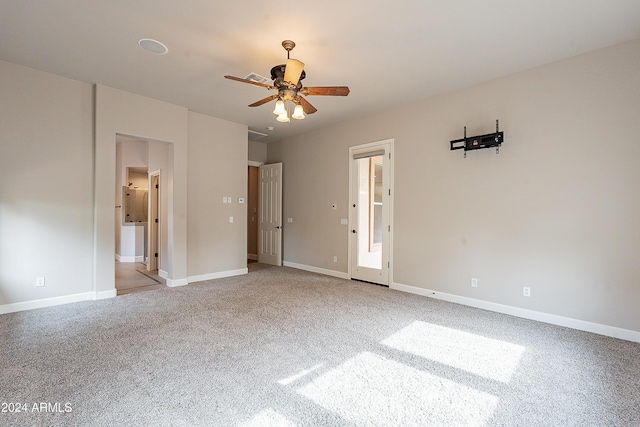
[255,164]
[372,146]
[153,234]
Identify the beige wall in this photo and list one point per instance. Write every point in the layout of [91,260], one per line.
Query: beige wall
[557,210]
[217,169]
[119,112]
[58,174]
[46,185]
[257,151]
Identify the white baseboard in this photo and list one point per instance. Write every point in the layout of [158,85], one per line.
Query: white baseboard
[202,277]
[120,258]
[45,302]
[252,257]
[172,283]
[104,294]
[553,319]
[318,270]
[218,275]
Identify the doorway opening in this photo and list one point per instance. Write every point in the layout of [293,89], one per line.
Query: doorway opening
[141,209]
[370,213]
[253,185]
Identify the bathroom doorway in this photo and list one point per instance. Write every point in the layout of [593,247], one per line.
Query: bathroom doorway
[140,213]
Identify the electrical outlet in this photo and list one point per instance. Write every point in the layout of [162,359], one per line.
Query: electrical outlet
[526,291]
[474,282]
[39,281]
[335,259]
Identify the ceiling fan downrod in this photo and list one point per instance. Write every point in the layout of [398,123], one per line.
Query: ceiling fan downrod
[288,45]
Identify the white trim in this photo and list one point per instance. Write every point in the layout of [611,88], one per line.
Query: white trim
[253,257]
[45,302]
[172,283]
[326,272]
[137,258]
[255,164]
[582,325]
[218,275]
[153,245]
[104,294]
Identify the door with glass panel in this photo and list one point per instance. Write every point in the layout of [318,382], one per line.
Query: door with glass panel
[369,216]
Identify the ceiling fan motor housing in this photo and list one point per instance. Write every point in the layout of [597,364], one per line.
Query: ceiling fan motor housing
[287,94]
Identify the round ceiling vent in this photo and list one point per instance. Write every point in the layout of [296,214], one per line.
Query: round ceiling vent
[153,46]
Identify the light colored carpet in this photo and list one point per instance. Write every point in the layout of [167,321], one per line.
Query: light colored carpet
[282,347]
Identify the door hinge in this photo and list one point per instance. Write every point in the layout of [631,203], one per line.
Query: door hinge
[389,228]
[156,220]
[156,255]
[389,191]
[156,185]
[388,264]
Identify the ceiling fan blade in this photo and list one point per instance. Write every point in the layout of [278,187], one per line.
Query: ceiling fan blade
[238,79]
[306,106]
[325,90]
[293,71]
[264,101]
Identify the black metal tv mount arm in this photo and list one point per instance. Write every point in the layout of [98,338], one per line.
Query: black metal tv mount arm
[478,142]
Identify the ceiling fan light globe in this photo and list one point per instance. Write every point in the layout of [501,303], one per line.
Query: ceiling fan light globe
[279,110]
[298,112]
[283,118]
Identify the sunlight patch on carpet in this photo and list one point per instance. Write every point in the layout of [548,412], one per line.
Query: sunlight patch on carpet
[489,358]
[304,372]
[269,417]
[370,387]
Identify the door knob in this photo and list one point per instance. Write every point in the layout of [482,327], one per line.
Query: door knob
[354,231]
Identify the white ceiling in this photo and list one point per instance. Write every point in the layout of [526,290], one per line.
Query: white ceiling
[388,53]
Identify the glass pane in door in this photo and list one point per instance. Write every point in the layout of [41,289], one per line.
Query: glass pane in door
[370,204]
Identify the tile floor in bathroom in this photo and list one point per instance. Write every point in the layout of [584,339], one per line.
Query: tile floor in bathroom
[134,277]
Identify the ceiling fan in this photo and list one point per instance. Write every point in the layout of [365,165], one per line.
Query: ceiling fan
[287,80]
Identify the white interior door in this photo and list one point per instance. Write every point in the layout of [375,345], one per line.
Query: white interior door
[370,212]
[270,213]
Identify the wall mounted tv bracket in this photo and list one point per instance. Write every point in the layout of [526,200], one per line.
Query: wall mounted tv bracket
[478,142]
